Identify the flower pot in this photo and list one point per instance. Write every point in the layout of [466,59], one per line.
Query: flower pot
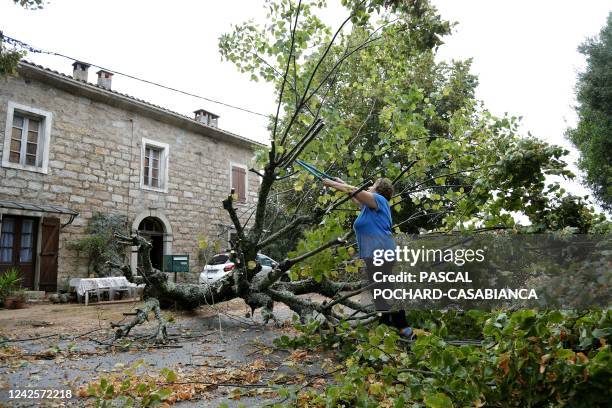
[8,302]
[14,303]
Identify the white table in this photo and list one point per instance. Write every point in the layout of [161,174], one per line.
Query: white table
[86,286]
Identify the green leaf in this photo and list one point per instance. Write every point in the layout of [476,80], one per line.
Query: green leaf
[164,393]
[171,376]
[437,400]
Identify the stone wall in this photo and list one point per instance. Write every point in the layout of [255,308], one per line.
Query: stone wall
[95,166]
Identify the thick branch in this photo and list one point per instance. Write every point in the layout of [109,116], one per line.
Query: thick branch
[229,207]
[298,149]
[299,305]
[260,213]
[141,316]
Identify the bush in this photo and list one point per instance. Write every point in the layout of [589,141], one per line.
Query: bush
[526,358]
[101,246]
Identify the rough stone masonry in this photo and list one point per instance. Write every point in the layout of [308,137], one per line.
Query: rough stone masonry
[95,164]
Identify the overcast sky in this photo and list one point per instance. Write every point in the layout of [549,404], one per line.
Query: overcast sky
[524,52]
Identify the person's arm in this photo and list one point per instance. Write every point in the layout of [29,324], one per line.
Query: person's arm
[362,197]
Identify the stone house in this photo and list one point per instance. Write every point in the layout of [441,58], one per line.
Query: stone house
[71,148]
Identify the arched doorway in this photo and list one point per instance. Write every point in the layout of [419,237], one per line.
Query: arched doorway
[159,217]
[152,228]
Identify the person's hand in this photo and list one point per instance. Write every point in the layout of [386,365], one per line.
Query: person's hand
[327,182]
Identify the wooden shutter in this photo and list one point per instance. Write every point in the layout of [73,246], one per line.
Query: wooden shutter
[239,182]
[49,254]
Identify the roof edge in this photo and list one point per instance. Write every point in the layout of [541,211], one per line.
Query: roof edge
[119,100]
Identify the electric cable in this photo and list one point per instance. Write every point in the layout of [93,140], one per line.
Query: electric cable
[18,43]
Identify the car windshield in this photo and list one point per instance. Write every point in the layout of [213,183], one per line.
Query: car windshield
[264,261]
[218,260]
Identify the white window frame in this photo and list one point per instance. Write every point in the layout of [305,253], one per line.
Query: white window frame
[246,181]
[44,137]
[164,164]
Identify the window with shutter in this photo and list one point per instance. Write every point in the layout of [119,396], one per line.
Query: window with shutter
[239,183]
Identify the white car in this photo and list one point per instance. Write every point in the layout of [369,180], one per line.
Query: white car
[220,265]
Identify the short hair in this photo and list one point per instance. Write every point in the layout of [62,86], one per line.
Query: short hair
[384,187]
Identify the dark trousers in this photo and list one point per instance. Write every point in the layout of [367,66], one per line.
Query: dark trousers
[390,318]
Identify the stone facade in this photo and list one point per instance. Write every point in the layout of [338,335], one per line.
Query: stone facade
[95,164]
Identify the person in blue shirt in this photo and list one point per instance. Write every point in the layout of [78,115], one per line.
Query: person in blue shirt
[373,229]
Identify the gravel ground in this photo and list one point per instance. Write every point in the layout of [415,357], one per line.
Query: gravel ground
[221,355]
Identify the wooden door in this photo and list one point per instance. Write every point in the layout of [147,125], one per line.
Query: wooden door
[18,247]
[49,254]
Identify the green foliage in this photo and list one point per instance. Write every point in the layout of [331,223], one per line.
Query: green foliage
[527,358]
[100,246]
[131,389]
[388,105]
[593,134]
[207,249]
[9,282]
[326,263]
[390,109]
[9,58]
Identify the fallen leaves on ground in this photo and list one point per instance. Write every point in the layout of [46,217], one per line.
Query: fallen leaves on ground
[174,386]
[299,355]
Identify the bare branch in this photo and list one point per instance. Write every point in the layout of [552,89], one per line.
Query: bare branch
[349,295]
[285,265]
[304,219]
[295,152]
[252,169]
[311,78]
[343,200]
[282,90]
[405,170]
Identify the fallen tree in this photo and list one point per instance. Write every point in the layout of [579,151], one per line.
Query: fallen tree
[364,101]
[263,290]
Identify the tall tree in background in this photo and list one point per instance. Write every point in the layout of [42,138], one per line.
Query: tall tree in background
[593,134]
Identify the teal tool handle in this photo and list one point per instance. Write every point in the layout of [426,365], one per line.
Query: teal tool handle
[313,170]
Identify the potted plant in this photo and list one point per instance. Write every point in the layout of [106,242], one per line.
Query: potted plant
[9,282]
[16,299]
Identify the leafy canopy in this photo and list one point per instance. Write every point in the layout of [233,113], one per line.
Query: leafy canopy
[390,110]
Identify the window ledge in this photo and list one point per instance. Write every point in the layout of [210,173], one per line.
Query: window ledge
[16,166]
[157,190]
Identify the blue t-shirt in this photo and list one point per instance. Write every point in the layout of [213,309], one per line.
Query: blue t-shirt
[373,228]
